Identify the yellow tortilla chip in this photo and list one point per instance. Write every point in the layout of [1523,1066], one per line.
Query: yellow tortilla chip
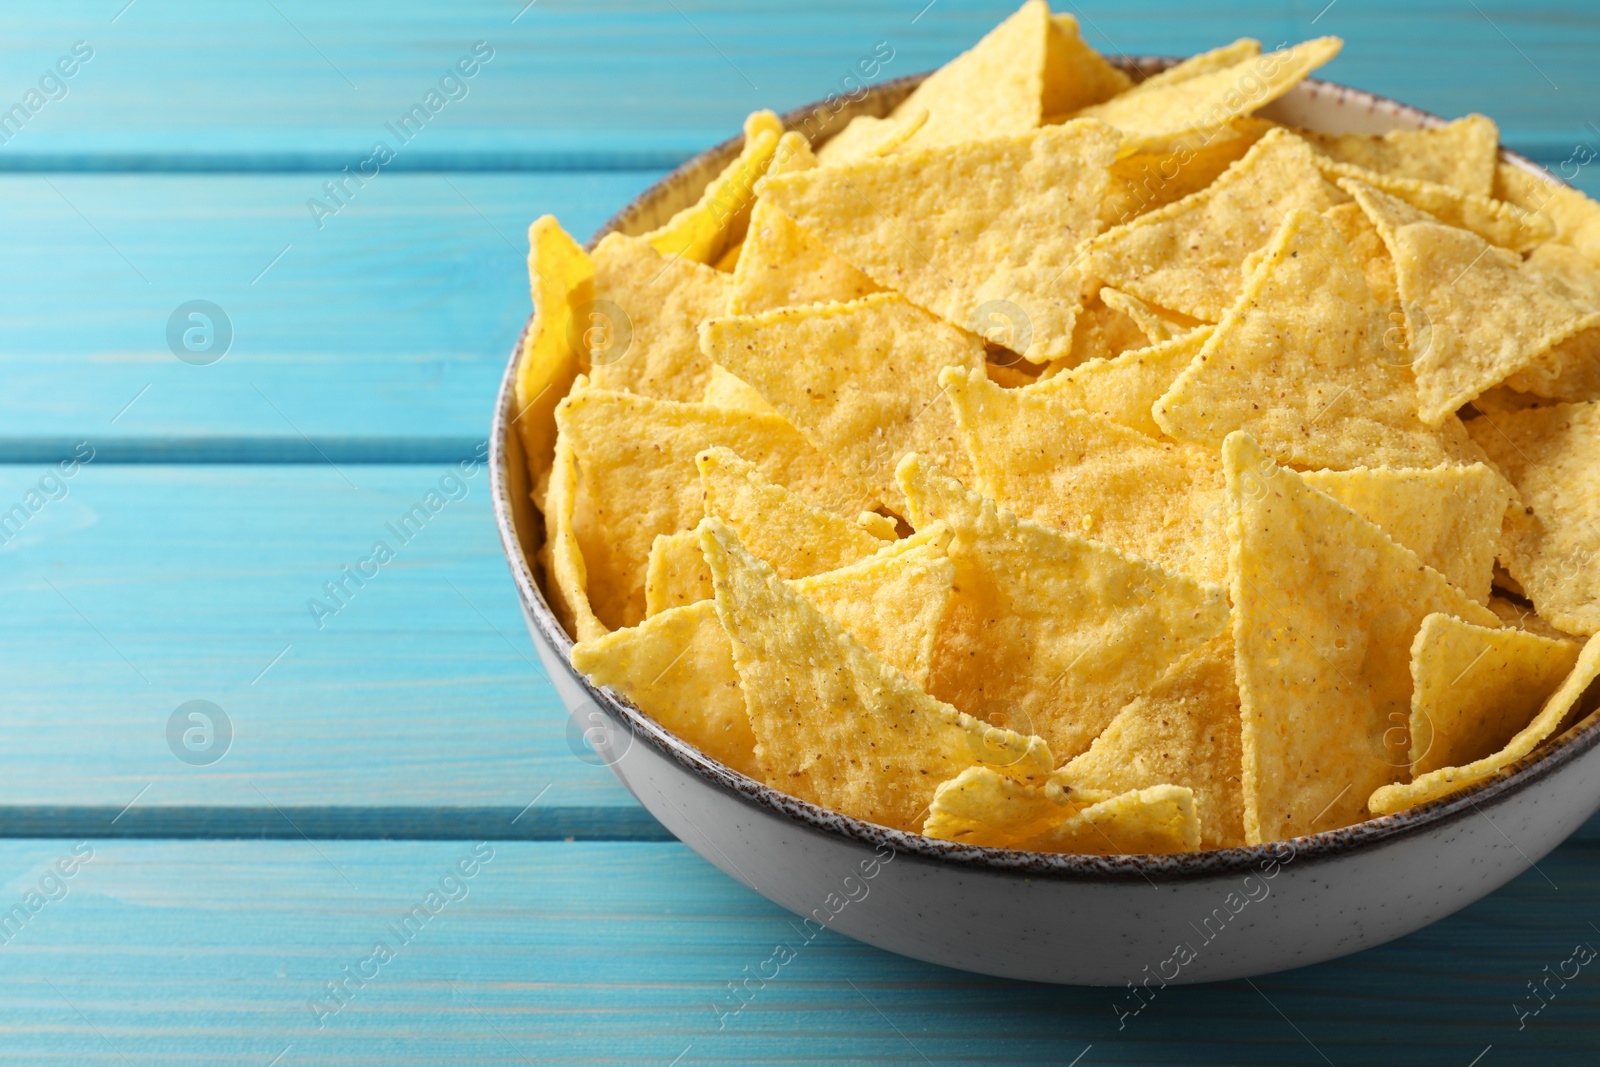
[898,132]
[1145,181]
[981,807]
[1156,114]
[1568,372]
[1298,363]
[566,577]
[961,230]
[724,389]
[1461,154]
[1447,780]
[1033,454]
[1183,732]
[834,724]
[1449,516]
[860,380]
[1367,249]
[1326,606]
[676,573]
[1496,221]
[1124,389]
[1100,332]
[784,266]
[561,277]
[1476,314]
[1188,255]
[1574,218]
[1475,688]
[1157,324]
[1075,75]
[1223,58]
[1048,631]
[637,479]
[1551,545]
[641,328]
[706,229]
[678,665]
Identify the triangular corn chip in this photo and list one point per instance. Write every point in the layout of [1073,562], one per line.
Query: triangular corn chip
[1574,218]
[561,278]
[834,724]
[784,266]
[1153,115]
[860,380]
[1223,58]
[1125,388]
[678,665]
[724,389]
[982,807]
[1325,608]
[1368,249]
[706,229]
[1075,75]
[1476,314]
[1298,362]
[1049,631]
[1475,688]
[1449,516]
[637,479]
[1447,780]
[676,574]
[1033,454]
[566,577]
[1158,324]
[1187,256]
[1551,545]
[640,332]
[1183,732]
[1496,221]
[1461,154]
[1145,181]
[1571,370]
[957,229]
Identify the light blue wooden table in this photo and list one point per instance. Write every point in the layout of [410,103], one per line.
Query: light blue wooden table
[225,910]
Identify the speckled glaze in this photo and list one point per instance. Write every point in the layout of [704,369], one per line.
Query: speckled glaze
[1085,920]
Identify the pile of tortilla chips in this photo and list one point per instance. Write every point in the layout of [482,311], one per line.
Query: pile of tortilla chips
[1061,462]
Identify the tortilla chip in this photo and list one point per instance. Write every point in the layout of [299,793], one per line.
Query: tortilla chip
[956,229]
[1551,546]
[1475,688]
[1496,221]
[1075,75]
[1125,388]
[1100,332]
[1033,454]
[784,266]
[1183,732]
[566,577]
[1568,372]
[637,479]
[641,332]
[1188,255]
[1158,324]
[1461,154]
[1298,363]
[1145,181]
[1204,101]
[860,380]
[897,132]
[1223,58]
[1367,248]
[1573,217]
[1552,715]
[834,724]
[1476,314]
[724,389]
[716,222]
[676,573]
[561,278]
[1449,516]
[1049,631]
[1325,608]
[981,807]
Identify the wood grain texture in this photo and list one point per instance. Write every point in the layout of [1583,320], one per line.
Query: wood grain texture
[146,587]
[209,952]
[576,83]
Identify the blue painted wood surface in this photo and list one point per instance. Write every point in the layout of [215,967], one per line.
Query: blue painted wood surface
[177,165]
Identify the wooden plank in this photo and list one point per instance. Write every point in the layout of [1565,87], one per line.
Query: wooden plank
[416,703]
[298,85]
[221,953]
[380,337]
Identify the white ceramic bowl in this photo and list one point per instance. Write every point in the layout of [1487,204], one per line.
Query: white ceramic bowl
[1091,920]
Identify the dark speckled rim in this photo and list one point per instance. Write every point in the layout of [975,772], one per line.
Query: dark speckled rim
[1368,835]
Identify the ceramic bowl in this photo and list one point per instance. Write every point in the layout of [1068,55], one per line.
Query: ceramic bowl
[1092,920]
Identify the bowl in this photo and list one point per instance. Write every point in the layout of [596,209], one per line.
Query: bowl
[1083,920]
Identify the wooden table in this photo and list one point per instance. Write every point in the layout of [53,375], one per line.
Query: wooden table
[225,897]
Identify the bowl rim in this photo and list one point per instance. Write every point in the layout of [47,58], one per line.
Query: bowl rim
[1330,844]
